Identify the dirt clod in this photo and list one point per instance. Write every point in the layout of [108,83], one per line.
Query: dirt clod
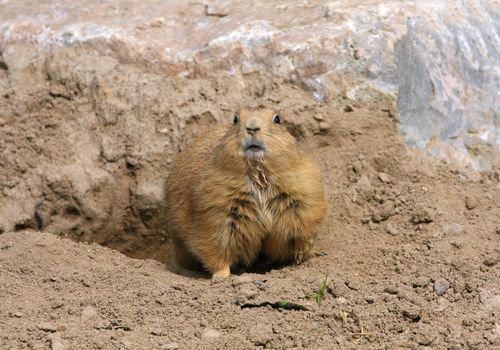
[47,327]
[422,216]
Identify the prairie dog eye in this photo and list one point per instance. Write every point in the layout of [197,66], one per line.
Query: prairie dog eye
[236,119]
[277,119]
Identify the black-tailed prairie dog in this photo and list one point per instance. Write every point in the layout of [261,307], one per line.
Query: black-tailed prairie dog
[243,190]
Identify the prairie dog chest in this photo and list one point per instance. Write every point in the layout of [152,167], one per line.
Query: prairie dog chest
[262,197]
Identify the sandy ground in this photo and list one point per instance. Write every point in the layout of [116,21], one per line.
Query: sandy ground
[410,250]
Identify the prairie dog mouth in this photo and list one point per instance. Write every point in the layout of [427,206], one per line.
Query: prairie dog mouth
[253,148]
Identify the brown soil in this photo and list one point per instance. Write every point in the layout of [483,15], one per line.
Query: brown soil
[410,249]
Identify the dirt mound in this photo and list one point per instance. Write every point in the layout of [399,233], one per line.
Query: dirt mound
[410,249]
[86,145]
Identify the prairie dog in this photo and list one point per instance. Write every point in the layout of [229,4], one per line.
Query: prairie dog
[244,189]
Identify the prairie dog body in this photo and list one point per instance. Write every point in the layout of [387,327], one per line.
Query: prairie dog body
[241,190]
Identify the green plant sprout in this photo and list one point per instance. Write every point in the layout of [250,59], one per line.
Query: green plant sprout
[321,291]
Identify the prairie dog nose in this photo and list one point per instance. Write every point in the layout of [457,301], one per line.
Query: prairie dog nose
[253,125]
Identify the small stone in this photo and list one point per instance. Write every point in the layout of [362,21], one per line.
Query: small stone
[55,342]
[210,333]
[422,216]
[156,331]
[454,228]
[384,178]
[441,286]
[2,121]
[215,11]
[341,300]
[370,299]
[391,230]
[442,304]
[170,346]
[420,282]
[47,327]
[89,312]
[239,280]
[411,315]
[262,285]
[324,128]
[391,290]
[364,182]
[470,203]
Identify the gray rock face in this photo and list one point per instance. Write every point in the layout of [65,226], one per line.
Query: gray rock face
[448,71]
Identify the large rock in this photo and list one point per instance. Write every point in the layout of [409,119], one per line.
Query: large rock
[97,97]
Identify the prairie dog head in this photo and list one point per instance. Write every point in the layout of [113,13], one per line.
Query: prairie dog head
[260,134]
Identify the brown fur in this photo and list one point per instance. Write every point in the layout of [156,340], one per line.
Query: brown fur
[224,208]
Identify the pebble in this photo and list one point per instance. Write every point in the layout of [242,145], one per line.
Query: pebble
[156,331]
[452,228]
[370,299]
[441,286]
[170,346]
[324,127]
[2,121]
[420,282]
[422,216]
[384,177]
[391,230]
[17,314]
[215,11]
[55,342]
[470,203]
[364,182]
[391,290]
[341,300]
[89,312]
[47,327]
[411,315]
[210,333]
[442,304]
[239,280]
